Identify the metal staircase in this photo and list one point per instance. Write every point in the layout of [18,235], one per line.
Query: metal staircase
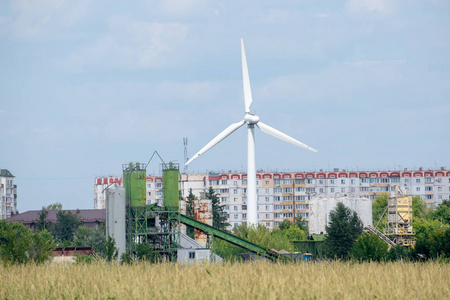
[382,237]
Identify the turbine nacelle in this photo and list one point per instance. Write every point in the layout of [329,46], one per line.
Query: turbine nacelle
[251,119]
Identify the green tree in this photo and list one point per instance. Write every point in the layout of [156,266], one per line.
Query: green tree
[342,231]
[111,252]
[219,218]
[148,253]
[54,206]
[94,237]
[369,247]
[419,208]
[379,212]
[190,212]
[15,241]
[65,226]
[294,233]
[442,212]
[19,244]
[42,244]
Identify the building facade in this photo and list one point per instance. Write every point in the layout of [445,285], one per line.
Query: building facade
[283,195]
[8,194]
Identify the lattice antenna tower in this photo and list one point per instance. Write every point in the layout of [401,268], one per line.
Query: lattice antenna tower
[185,142]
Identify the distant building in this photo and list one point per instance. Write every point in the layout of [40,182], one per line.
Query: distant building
[89,217]
[8,194]
[100,186]
[281,195]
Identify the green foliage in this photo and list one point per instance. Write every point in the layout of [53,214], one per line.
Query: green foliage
[42,244]
[54,206]
[398,253]
[259,235]
[111,252]
[65,226]
[190,213]
[219,218]
[126,258]
[342,230]
[442,212]
[19,244]
[369,247]
[83,259]
[419,208]
[94,237]
[147,252]
[379,211]
[294,231]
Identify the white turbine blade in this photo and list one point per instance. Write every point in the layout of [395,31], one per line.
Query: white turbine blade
[229,130]
[278,134]
[246,80]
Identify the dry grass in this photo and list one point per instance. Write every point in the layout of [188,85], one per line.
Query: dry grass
[329,280]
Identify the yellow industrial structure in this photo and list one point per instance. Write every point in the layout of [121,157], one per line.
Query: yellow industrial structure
[400,214]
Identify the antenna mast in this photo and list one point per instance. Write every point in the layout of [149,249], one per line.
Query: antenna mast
[185,141]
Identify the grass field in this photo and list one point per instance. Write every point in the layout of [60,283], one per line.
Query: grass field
[328,280]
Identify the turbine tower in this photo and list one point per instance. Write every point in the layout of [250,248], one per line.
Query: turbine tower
[251,120]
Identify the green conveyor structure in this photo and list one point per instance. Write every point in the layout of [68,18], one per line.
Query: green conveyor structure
[209,230]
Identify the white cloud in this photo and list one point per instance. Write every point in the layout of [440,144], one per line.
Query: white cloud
[184,8]
[132,44]
[379,6]
[37,19]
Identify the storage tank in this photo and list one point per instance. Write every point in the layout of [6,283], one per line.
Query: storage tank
[134,181]
[115,216]
[171,186]
[320,208]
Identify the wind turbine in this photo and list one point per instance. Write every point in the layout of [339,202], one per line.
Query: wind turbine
[251,120]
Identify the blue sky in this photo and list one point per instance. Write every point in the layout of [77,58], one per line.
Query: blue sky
[89,85]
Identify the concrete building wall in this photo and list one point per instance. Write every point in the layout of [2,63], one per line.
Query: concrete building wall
[8,194]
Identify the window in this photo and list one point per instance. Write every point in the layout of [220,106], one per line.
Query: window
[320,181]
[149,193]
[267,182]
[191,255]
[149,185]
[331,181]
[277,198]
[439,188]
[267,224]
[288,207]
[395,179]
[267,199]
[320,190]
[342,190]
[277,182]
[406,180]
[428,188]
[244,207]
[429,197]
[235,191]
[299,198]
[235,217]
[417,180]
[287,198]
[267,191]
[277,190]
[158,185]
[267,216]
[332,190]
[244,182]
[417,189]
[438,180]
[278,206]
[352,190]
[287,190]
[352,181]
[384,180]
[299,181]
[244,216]
[235,183]
[275,224]
[234,199]
[428,180]
[364,180]
[287,181]
[342,181]
[440,197]
[267,207]
[299,189]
